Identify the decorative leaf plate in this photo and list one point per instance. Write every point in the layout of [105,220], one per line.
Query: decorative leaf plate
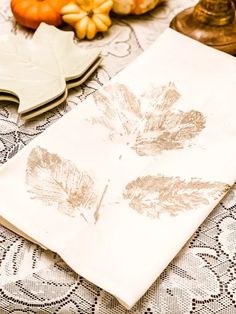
[37,73]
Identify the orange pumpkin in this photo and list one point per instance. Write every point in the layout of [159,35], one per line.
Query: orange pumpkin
[31,13]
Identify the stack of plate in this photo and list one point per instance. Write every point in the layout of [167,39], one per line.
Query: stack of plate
[37,74]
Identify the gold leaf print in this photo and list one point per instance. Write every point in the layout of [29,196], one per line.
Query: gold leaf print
[148,129]
[162,98]
[154,195]
[119,107]
[58,183]
[168,131]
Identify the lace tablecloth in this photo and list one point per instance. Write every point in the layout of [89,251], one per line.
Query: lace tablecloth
[201,279]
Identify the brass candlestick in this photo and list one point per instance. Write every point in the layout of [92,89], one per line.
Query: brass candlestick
[212,22]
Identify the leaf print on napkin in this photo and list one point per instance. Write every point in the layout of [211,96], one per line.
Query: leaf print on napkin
[149,124]
[154,195]
[168,131]
[58,183]
[120,109]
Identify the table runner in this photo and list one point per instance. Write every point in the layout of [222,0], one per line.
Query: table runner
[41,283]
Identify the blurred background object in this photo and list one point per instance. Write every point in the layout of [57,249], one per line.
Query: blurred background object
[211,22]
[136,7]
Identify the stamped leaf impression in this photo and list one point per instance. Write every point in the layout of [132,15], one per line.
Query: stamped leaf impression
[149,124]
[57,182]
[155,195]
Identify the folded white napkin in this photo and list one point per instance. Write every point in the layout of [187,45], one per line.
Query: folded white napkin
[119,184]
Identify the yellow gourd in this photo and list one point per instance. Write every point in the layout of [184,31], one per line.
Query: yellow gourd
[134,6]
[88,16]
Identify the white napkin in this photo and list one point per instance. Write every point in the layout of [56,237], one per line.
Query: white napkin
[119,184]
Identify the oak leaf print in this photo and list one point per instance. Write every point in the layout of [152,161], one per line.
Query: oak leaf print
[58,183]
[149,124]
[153,195]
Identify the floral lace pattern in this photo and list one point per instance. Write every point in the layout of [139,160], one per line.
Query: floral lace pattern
[201,279]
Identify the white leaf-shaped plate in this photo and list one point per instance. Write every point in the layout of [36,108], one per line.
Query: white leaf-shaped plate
[22,74]
[50,105]
[37,73]
[73,60]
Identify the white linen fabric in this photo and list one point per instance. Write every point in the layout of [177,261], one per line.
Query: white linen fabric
[144,166]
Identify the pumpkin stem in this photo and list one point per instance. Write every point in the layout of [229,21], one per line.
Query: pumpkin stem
[90,13]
